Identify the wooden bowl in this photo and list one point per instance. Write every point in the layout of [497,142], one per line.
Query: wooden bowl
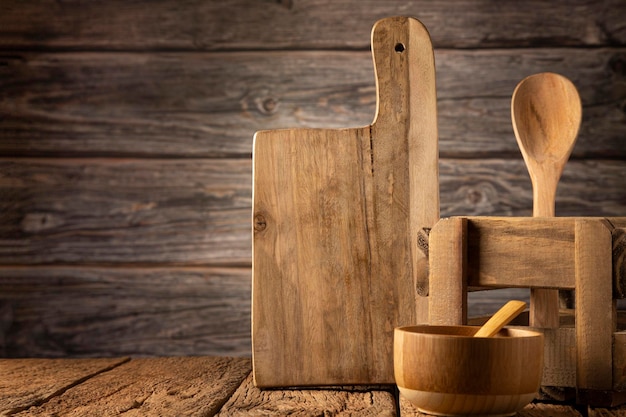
[443,370]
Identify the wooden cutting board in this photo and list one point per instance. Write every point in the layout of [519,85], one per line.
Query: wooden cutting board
[340,219]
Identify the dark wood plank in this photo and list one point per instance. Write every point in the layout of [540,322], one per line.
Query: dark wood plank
[502,187]
[210,104]
[31,382]
[249,400]
[174,104]
[173,386]
[197,211]
[247,24]
[74,312]
[134,211]
[474,91]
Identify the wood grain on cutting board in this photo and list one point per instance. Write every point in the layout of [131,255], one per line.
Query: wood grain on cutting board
[340,217]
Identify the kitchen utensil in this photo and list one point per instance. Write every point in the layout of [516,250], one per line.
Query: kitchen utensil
[546,113]
[341,218]
[445,370]
[501,318]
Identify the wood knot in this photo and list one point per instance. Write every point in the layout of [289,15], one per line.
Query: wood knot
[474,196]
[267,105]
[38,222]
[422,240]
[260,223]
[422,288]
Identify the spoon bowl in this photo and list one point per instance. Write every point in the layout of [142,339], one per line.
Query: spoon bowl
[546,113]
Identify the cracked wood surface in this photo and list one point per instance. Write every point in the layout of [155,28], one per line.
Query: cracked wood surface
[347,401]
[141,387]
[30,382]
[196,386]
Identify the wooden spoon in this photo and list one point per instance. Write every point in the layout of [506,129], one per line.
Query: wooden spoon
[501,318]
[546,113]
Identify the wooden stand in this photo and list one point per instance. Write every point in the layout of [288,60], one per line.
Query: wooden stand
[583,254]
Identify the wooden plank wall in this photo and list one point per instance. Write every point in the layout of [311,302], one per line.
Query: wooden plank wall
[126,132]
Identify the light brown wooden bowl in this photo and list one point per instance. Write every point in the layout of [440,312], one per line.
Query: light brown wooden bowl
[443,370]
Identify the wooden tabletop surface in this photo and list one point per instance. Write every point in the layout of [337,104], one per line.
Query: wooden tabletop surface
[193,386]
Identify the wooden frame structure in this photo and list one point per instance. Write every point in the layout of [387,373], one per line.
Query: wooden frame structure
[583,254]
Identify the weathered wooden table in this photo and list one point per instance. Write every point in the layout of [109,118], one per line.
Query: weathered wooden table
[193,386]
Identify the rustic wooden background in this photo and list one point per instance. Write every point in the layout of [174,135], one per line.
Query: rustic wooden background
[126,133]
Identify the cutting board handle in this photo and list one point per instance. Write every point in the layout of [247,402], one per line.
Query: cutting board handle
[406,124]
[404,65]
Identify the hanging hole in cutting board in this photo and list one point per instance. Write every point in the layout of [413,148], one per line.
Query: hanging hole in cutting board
[399,48]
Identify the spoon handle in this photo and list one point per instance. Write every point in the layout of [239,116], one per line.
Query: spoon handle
[544,191]
[502,317]
[544,303]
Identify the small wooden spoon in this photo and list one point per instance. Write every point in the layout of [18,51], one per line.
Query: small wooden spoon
[546,113]
[501,318]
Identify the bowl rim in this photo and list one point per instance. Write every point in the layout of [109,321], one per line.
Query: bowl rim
[506,333]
